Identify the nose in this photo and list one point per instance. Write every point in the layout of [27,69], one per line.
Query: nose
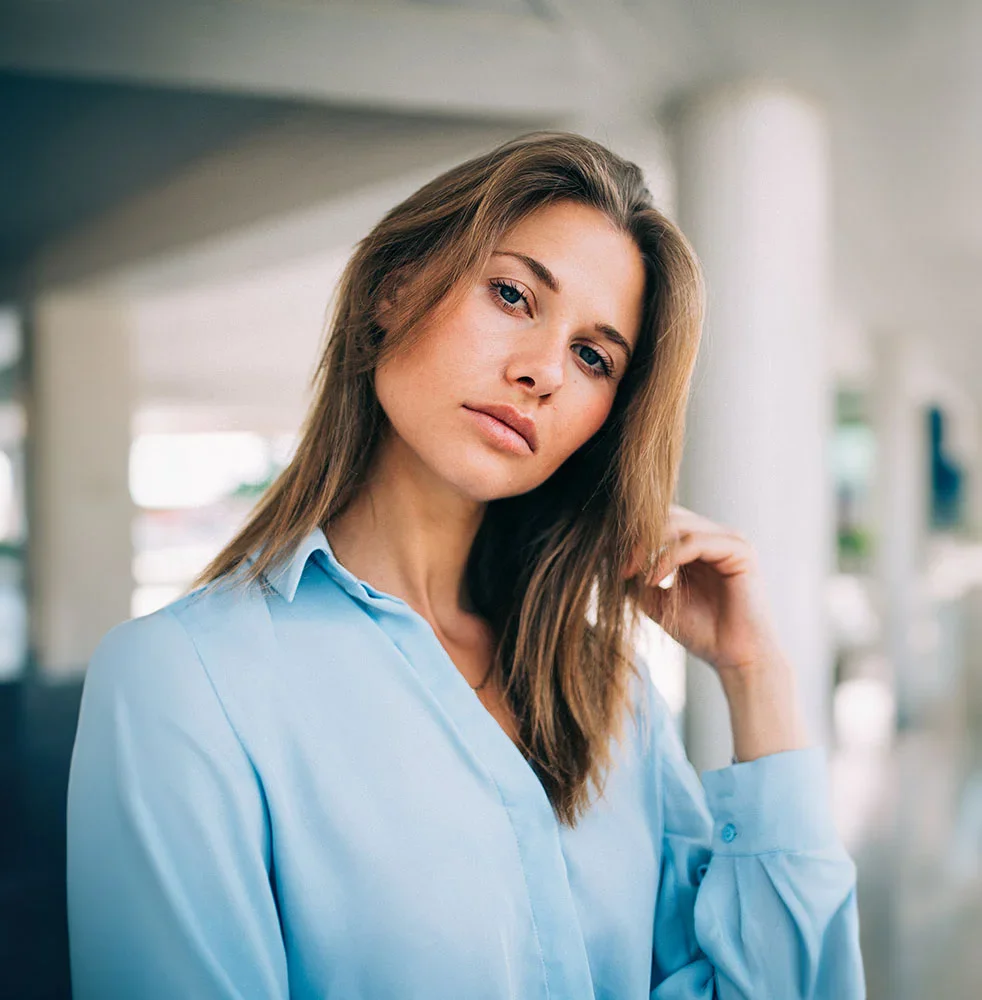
[541,367]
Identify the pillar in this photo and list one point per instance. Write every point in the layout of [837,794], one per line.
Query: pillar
[81,513]
[901,502]
[752,176]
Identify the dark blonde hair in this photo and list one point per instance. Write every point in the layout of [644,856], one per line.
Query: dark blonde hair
[545,566]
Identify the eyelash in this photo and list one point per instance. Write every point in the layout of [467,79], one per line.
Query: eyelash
[498,284]
[606,369]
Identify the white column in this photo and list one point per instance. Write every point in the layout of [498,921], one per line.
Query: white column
[81,517]
[902,478]
[752,175]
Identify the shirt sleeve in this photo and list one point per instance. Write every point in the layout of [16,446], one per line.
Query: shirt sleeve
[169,893]
[757,895]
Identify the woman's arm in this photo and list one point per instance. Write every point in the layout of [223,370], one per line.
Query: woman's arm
[757,897]
[168,843]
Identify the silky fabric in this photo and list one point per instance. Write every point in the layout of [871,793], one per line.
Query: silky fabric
[297,794]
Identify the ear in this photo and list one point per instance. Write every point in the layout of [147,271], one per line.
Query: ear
[390,291]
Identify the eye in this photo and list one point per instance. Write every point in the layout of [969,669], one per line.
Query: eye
[509,295]
[594,360]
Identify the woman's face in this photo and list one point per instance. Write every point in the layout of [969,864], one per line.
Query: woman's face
[541,340]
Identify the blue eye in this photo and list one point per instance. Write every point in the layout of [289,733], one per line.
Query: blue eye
[508,294]
[592,357]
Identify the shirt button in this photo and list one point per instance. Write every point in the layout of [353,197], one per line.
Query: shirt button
[729,833]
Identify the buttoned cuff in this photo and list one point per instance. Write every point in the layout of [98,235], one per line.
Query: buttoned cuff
[779,802]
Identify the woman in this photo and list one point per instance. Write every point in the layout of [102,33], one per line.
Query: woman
[396,742]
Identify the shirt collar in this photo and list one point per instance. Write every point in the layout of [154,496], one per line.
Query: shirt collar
[285,579]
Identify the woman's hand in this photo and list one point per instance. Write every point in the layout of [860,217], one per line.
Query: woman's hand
[723,619]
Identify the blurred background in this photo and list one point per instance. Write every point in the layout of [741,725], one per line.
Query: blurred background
[180,185]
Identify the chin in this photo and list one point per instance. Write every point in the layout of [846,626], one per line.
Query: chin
[486,478]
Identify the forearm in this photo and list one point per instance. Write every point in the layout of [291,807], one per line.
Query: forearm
[764,712]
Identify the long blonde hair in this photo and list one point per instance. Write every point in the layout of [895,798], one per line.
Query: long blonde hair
[545,567]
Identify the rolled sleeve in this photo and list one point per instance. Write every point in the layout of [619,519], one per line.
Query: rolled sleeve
[778,802]
[757,896]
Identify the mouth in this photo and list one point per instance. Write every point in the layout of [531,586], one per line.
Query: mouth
[506,426]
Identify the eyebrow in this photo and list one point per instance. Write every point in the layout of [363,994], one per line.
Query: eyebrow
[552,283]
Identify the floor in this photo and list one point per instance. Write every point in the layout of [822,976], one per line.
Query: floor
[919,858]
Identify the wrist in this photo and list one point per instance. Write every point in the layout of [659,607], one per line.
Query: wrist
[765,672]
[764,711]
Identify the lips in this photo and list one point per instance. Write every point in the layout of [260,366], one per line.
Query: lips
[515,419]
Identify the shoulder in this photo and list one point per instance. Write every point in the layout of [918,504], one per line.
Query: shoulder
[172,692]
[133,652]
[161,659]
[144,671]
[154,736]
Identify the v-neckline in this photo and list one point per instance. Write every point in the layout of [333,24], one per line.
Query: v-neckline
[449,660]
[510,714]
[365,591]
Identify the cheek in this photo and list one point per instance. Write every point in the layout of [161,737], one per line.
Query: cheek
[416,377]
[404,387]
[577,422]
[457,349]
[474,342]
[421,387]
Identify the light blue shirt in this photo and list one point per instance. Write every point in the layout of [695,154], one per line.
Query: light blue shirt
[299,795]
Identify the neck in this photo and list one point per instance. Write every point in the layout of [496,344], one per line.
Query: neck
[408,533]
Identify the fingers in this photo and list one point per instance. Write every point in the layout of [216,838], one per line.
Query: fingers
[688,536]
[641,561]
[728,554]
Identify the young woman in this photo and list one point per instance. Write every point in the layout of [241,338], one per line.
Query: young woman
[396,743]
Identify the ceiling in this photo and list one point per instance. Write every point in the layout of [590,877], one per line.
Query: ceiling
[901,83]
[72,149]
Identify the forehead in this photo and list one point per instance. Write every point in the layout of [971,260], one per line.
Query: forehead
[561,220]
